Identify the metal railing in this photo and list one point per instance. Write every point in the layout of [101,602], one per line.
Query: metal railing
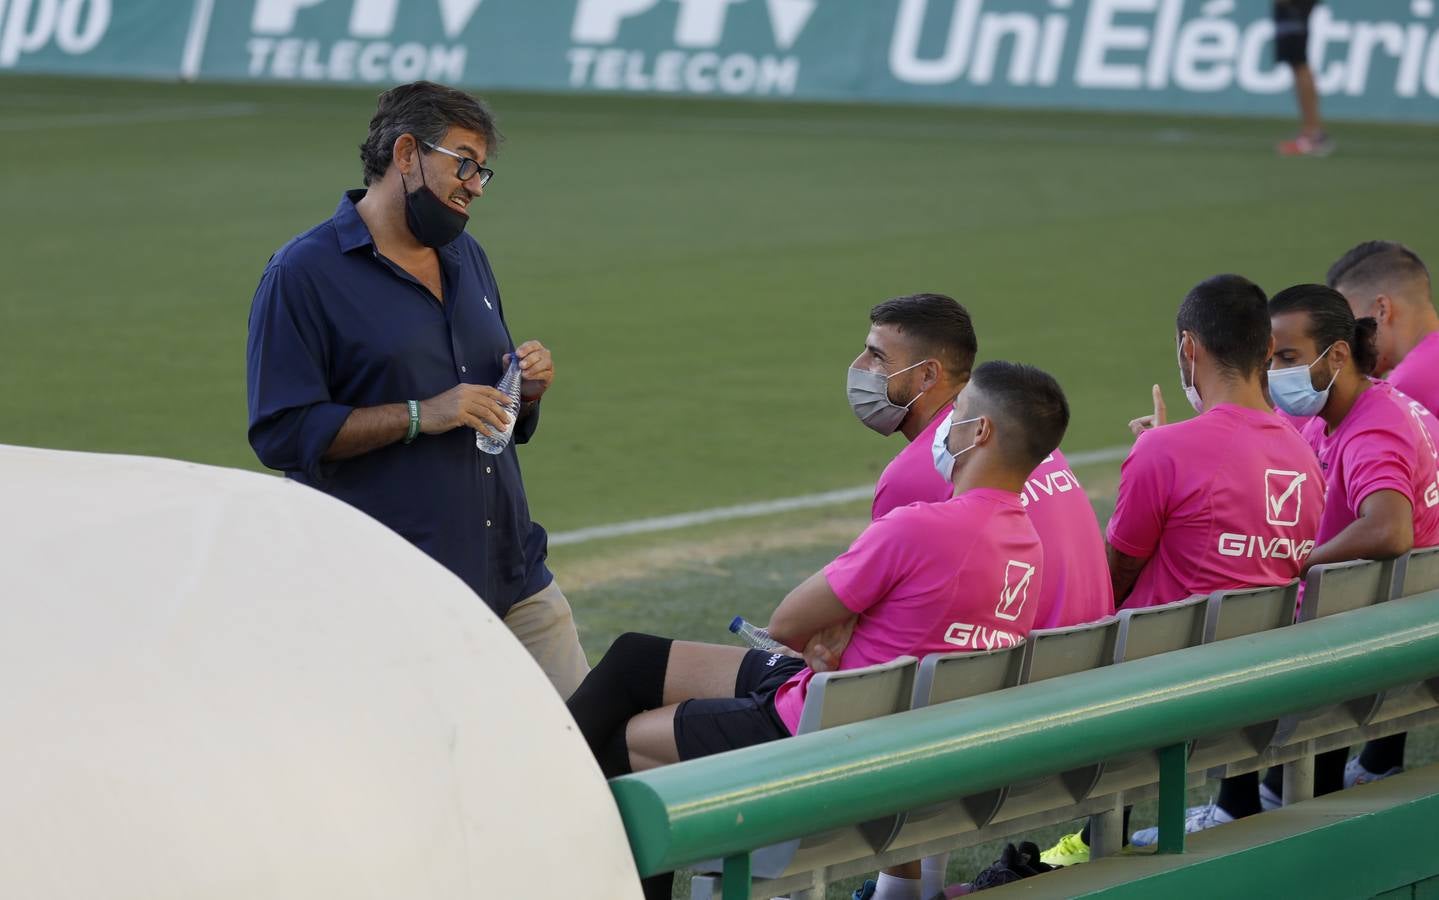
[733,803]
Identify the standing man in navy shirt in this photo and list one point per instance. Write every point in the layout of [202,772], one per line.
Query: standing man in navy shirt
[375,338]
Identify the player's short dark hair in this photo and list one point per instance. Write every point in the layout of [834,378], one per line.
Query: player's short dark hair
[1377,267]
[937,324]
[1330,321]
[1228,316]
[1026,403]
[425,110]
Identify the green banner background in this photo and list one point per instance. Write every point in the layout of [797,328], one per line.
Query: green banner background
[1373,60]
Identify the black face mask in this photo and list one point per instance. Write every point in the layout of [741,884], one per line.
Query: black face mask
[432,221]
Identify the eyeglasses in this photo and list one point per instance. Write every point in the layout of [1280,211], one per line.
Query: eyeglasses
[468,167]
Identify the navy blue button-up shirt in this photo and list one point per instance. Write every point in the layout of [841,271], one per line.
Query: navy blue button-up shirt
[335,326]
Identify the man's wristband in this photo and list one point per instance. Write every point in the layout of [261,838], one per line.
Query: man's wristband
[414,428]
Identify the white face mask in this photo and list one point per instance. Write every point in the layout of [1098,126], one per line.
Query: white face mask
[943,459]
[869,398]
[1191,390]
[1293,390]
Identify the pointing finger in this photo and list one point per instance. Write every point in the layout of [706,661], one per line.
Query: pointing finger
[1160,416]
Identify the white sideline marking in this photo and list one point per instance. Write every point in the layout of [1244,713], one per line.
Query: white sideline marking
[133,117]
[768,507]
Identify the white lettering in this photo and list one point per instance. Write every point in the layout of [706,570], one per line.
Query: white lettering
[373,18]
[1406,80]
[669,66]
[598,21]
[701,22]
[904,61]
[609,69]
[310,66]
[446,64]
[1258,38]
[737,74]
[1322,30]
[1431,66]
[1252,545]
[992,31]
[1166,30]
[259,51]
[635,79]
[1051,50]
[17,38]
[778,75]
[277,16]
[372,66]
[1206,42]
[455,15]
[580,59]
[699,72]
[787,19]
[1368,35]
[70,37]
[1101,36]
[342,60]
[286,61]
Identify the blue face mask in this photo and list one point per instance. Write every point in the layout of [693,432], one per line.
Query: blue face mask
[943,459]
[1293,391]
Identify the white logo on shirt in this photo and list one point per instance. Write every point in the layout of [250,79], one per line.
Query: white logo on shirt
[977,637]
[1431,492]
[1282,497]
[1016,589]
[487,302]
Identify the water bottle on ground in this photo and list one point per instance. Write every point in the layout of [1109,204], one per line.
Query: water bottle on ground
[753,635]
[509,386]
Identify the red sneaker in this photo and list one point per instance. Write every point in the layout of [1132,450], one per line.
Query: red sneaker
[1305,145]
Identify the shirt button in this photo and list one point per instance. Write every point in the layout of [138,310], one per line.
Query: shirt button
[463,369]
[487,523]
[488,470]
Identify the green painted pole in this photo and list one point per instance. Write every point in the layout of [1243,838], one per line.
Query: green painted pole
[737,877]
[738,801]
[1171,797]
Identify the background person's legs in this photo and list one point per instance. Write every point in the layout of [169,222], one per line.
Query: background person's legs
[545,624]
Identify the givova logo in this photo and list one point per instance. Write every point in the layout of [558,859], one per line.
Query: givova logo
[695,65]
[369,54]
[29,26]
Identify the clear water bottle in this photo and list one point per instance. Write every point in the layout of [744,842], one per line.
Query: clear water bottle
[509,386]
[753,635]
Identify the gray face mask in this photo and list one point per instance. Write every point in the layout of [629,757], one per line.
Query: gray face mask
[869,398]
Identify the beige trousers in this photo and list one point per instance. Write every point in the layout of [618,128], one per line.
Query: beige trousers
[545,625]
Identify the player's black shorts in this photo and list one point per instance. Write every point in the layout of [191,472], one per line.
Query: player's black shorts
[703,727]
[1291,31]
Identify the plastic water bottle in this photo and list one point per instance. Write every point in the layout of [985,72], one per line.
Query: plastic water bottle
[753,635]
[509,386]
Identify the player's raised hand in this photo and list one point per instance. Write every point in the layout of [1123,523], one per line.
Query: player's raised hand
[1148,423]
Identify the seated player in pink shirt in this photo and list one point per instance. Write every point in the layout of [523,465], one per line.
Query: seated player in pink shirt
[913,578]
[1376,445]
[917,357]
[1229,499]
[1388,282]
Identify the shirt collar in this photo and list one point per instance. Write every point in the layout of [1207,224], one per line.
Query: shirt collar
[350,228]
[354,233]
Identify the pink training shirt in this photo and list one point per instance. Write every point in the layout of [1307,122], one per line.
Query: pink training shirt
[1229,499]
[964,574]
[1077,588]
[1418,373]
[1384,444]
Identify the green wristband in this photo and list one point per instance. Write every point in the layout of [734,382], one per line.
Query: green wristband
[414,420]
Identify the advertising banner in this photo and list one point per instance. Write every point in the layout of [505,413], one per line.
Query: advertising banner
[1372,60]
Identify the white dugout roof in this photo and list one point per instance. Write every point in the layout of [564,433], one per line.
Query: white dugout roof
[219,684]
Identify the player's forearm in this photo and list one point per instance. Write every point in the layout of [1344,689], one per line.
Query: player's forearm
[369,428]
[1123,573]
[1364,539]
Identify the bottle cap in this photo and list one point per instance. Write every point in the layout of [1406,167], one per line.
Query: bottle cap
[734,626]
